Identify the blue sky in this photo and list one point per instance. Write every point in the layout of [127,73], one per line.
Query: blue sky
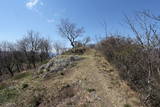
[19,16]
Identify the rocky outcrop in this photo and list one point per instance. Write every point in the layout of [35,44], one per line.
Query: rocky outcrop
[57,64]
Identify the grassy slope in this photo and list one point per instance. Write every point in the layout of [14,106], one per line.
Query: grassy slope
[91,82]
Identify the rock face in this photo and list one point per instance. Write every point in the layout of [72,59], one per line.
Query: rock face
[57,64]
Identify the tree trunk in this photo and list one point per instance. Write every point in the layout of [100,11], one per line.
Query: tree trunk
[33,62]
[0,71]
[158,70]
[41,58]
[72,43]
[10,71]
[18,68]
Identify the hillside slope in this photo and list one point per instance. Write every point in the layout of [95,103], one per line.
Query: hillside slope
[89,82]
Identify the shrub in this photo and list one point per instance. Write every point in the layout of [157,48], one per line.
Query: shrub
[136,64]
[76,51]
[91,90]
[127,105]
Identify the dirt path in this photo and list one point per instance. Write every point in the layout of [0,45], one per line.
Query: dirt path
[94,73]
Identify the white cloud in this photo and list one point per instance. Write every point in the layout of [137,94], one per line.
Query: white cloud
[30,4]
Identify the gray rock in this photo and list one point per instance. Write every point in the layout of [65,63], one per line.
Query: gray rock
[57,64]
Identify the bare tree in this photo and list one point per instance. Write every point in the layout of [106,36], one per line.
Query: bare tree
[28,51]
[44,48]
[150,14]
[59,47]
[69,31]
[22,46]
[7,59]
[30,46]
[105,27]
[86,40]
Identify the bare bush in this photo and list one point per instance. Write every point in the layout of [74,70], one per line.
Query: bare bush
[138,59]
[147,34]
[132,61]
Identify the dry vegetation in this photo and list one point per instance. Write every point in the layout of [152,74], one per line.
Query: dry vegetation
[90,82]
[138,60]
[117,71]
[25,54]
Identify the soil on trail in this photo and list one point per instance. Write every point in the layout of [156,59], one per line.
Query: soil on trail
[90,82]
[93,82]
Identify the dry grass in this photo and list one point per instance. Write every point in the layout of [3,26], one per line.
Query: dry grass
[91,82]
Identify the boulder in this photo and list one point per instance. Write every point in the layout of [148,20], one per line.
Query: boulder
[57,64]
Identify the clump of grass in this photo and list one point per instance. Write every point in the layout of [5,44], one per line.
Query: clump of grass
[66,86]
[127,105]
[25,86]
[44,62]
[70,103]
[3,86]
[36,101]
[62,73]
[36,97]
[21,75]
[7,95]
[90,90]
